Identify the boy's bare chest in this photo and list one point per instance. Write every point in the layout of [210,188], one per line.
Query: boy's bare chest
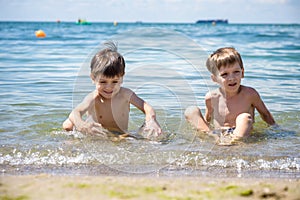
[231,107]
[108,112]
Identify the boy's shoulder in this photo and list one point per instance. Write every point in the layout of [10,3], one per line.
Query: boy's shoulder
[245,90]
[125,92]
[248,90]
[92,95]
[213,94]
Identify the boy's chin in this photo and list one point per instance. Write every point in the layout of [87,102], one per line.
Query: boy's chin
[232,90]
[106,96]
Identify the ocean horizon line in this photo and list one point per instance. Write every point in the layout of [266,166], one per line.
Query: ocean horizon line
[144,22]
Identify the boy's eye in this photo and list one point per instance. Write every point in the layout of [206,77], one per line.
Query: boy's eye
[223,75]
[115,81]
[236,72]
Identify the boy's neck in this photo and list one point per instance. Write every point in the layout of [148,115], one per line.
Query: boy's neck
[230,94]
[102,99]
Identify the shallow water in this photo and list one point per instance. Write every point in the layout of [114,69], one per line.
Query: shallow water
[42,79]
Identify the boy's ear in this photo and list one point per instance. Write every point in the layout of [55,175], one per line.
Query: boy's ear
[92,77]
[213,78]
[243,73]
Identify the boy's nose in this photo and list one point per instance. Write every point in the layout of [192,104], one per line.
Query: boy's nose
[231,76]
[109,85]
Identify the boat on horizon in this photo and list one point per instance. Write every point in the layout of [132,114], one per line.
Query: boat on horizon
[212,21]
[82,22]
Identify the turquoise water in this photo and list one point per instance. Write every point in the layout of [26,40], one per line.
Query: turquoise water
[42,79]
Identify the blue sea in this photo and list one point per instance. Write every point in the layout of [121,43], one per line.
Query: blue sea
[42,79]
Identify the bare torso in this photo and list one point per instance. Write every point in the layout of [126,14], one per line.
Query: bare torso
[112,114]
[226,109]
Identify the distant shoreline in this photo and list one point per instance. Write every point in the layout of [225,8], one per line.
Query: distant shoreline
[148,23]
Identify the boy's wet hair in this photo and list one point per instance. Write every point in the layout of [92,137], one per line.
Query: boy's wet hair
[108,62]
[223,57]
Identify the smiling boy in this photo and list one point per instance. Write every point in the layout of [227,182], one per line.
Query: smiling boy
[231,107]
[108,106]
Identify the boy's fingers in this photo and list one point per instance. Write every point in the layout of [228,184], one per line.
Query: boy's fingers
[99,130]
[97,125]
[150,133]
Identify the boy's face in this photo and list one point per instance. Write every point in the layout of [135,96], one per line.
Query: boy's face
[108,87]
[229,77]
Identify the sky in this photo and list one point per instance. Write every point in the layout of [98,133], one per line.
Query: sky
[173,11]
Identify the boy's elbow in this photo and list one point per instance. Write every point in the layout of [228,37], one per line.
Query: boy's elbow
[67,125]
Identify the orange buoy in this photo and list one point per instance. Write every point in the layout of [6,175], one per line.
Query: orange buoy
[40,34]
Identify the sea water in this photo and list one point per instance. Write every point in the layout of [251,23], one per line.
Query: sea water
[42,79]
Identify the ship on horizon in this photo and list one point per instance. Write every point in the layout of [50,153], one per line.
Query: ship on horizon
[212,21]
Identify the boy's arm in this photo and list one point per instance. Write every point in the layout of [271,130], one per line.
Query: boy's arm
[262,109]
[209,108]
[76,117]
[150,117]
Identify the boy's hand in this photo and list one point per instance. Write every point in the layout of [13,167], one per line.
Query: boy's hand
[94,128]
[151,129]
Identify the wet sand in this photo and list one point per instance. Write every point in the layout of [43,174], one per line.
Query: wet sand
[45,186]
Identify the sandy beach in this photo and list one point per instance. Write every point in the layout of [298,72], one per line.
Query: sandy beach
[45,186]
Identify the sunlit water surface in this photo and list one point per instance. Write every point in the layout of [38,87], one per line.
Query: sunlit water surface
[42,79]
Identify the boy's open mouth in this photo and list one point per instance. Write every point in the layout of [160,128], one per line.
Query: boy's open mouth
[108,92]
[232,84]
